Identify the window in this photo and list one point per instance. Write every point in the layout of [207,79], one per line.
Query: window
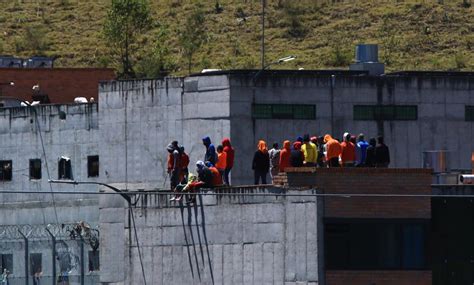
[35,263]
[375,244]
[93,166]
[469,113]
[94,264]
[64,168]
[385,113]
[6,262]
[284,111]
[5,170]
[35,168]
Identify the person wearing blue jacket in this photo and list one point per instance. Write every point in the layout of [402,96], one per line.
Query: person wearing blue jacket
[210,155]
[362,146]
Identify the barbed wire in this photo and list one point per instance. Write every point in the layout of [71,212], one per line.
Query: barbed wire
[60,231]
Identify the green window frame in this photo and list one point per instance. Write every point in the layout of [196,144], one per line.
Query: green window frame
[469,113]
[284,111]
[385,112]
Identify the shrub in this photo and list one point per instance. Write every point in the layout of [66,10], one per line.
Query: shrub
[460,61]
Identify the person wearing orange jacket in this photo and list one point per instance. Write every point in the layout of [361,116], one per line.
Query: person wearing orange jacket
[221,160]
[285,156]
[229,150]
[348,154]
[333,150]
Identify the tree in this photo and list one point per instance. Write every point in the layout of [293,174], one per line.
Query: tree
[193,35]
[125,20]
[158,61]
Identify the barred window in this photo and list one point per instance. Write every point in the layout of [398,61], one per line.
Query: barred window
[284,111]
[385,112]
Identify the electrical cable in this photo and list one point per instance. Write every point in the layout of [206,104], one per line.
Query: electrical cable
[138,245]
[46,163]
[165,193]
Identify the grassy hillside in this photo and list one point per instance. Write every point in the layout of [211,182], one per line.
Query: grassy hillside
[413,35]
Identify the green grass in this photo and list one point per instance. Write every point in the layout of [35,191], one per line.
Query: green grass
[413,35]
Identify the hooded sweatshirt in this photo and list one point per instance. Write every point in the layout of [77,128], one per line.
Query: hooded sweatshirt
[333,148]
[210,155]
[261,159]
[285,155]
[310,152]
[370,158]
[229,150]
[297,156]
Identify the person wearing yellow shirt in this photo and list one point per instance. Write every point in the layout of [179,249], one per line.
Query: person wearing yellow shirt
[310,152]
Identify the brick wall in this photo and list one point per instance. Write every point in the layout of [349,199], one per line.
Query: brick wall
[378,277]
[366,181]
[62,85]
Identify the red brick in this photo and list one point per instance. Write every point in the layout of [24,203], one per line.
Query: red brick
[61,85]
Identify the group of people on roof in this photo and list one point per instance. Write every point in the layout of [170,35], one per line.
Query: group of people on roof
[320,151]
[305,151]
[213,171]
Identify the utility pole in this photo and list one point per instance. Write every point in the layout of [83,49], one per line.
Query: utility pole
[263,34]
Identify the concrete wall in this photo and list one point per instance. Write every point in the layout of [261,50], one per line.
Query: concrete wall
[75,137]
[140,118]
[222,240]
[440,124]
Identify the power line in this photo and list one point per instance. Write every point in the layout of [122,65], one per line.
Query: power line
[165,193]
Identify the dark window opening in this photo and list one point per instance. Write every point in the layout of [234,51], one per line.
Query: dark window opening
[469,113]
[6,262]
[284,111]
[35,264]
[35,168]
[93,166]
[94,264]
[385,113]
[376,245]
[64,168]
[5,170]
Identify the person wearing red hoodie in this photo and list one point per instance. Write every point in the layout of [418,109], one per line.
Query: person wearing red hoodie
[285,155]
[229,150]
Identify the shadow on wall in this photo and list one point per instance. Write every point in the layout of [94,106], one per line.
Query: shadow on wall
[191,242]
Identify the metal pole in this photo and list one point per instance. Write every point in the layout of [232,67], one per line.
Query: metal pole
[53,238]
[26,257]
[82,260]
[263,34]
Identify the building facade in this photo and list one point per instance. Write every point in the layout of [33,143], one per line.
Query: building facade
[122,139]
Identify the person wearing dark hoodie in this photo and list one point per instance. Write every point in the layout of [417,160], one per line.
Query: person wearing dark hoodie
[261,163]
[210,155]
[174,165]
[382,154]
[370,153]
[297,156]
[285,156]
[229,150]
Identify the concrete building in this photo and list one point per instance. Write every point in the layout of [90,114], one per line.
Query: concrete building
[122,140]
[415,111]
